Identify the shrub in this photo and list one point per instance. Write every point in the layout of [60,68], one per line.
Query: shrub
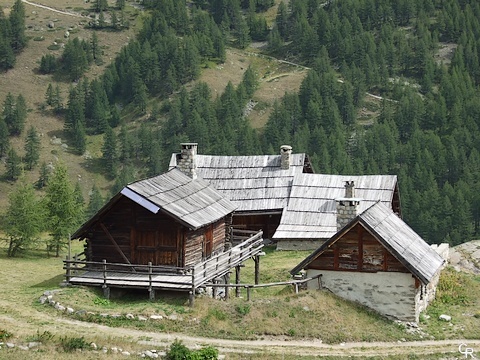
[72,344]
[178,351]
[4,334]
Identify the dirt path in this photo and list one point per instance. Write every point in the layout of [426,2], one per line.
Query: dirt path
[52,9]
[120,336]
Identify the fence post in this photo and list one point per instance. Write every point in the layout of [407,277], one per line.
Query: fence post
[248,293]
[106,289]
[151,290]
[257,269]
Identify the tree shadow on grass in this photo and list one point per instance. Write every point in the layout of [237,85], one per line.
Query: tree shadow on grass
[52,282]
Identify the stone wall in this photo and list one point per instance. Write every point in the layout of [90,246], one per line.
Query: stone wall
[389,293]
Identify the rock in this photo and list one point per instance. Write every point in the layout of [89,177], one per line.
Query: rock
[156,317]
[23,347]
[51,24]
[141,318]
[130,316]
[149,354]
[93,346]
[43,299]
[172,317]
[33,344]
[126,353]
[81,312]
[70,311]
[445,317]
[59,307]
[10,345]
[114,350]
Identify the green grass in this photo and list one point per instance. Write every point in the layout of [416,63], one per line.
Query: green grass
[271,312]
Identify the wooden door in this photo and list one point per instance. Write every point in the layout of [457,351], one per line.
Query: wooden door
[208,242]
[158,246]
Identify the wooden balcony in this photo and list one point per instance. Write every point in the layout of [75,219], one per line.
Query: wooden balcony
[151,278]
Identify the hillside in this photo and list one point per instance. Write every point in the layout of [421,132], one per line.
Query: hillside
[275,78]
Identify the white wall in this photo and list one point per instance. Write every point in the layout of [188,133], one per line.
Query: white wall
[389,293]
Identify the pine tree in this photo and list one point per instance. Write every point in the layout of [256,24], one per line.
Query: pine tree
[100,5]
[8,112]
[49,95]
[43,176]
[95,202]
[17,26]
[109,150]
[32,148]
[24,219]
[4,139]
[120,4]
[13,165]
[18,124]
[62,209]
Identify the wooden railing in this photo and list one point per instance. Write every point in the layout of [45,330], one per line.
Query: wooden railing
[216,266]
[222,263]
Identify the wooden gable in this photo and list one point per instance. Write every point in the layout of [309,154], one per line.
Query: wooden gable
[356,250]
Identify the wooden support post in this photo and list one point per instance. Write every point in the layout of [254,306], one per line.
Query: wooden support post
[214,289]
[106,289]
[227,282]
[237,281]
[68,274]
[256,259]
[151,290]
[248,293]
[296,288]
[191,297]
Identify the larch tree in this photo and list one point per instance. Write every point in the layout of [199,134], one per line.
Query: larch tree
[63,211]
[24,219]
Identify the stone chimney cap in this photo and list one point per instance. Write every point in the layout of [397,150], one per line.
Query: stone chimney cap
[286,147]
[188,144]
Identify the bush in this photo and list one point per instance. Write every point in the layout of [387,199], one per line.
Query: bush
[178,351]
[4,334]
[72,344]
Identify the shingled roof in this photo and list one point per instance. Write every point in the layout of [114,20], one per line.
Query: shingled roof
[311,211]
[253,183]
[194,203]
[396,236]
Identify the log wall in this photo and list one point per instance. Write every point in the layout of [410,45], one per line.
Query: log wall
[357,250]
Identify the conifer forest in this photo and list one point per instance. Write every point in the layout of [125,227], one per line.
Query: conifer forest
[426,129]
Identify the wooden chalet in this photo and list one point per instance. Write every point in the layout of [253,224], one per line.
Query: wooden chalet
[310,217]
[167,232]
[379,261]
[259,185]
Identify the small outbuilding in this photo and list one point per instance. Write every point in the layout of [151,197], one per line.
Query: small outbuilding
[376,259]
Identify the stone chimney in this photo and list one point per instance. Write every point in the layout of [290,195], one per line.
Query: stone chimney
[347,206]
[187,159]
[285,152]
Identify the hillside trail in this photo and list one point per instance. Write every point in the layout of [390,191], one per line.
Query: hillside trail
[52,9]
